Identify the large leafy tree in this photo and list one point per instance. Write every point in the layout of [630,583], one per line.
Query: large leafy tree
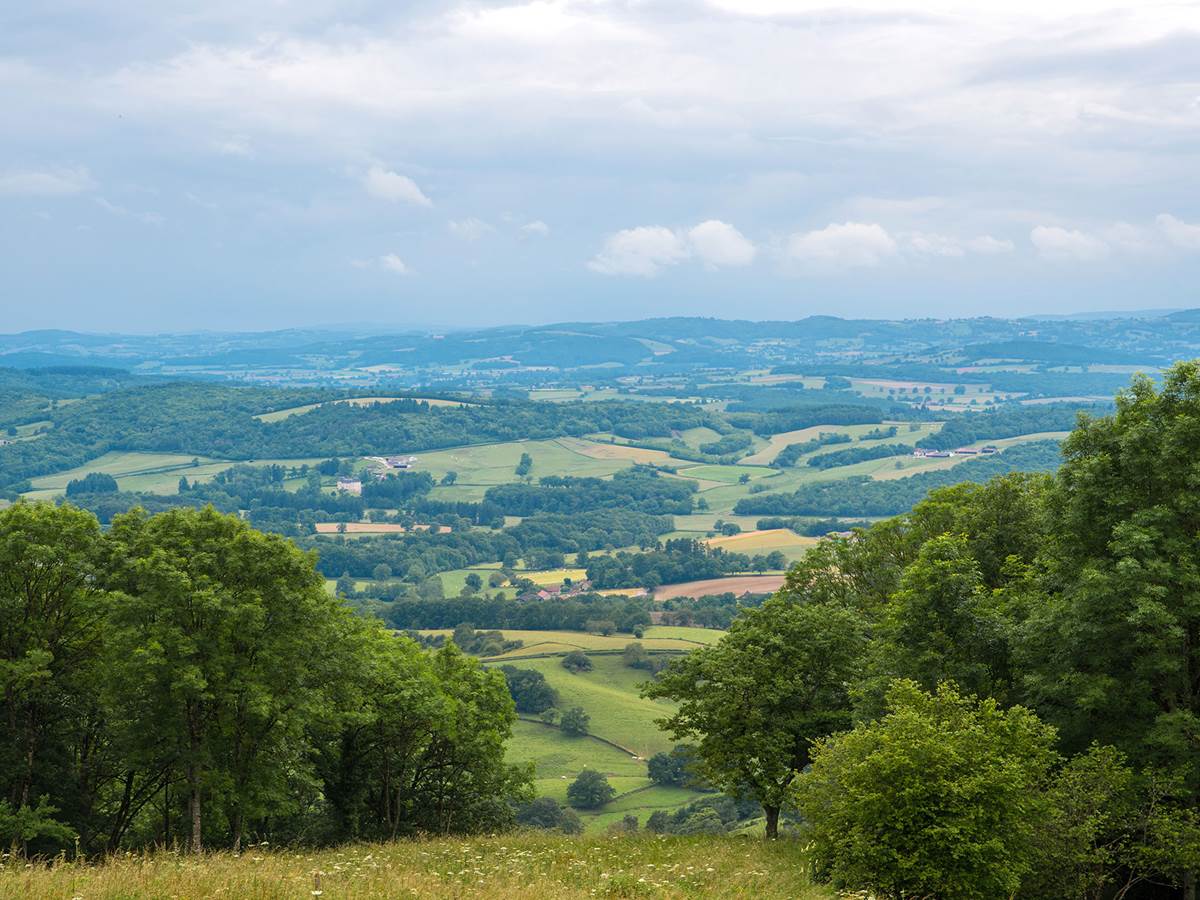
[219,655]
[51,615]
[1114,651]
[757,700]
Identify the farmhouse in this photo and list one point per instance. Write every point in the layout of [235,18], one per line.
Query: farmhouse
[965,451]
[989,449]
[350,486]
[400,462]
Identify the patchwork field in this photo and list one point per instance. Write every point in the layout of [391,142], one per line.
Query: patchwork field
[657,637]
[737,584]
[792,545]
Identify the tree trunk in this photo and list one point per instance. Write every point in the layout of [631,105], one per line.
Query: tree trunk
[772,820]
[1189,886]
[197,844]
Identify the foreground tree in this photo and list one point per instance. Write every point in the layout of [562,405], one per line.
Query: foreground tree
[1113,650]
[51,627]
[939,798]
[756,701]
[220,651]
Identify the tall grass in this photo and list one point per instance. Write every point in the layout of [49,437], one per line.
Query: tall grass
[508,867]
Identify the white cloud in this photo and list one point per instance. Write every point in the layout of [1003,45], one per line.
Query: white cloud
[149,218]
[537,226]
[469,229]
[393,186]
[394,263]
[47,182]
[234,146]
[719,244]
[640,251]
[1180,233]
[1067,245]
[933,244]
[990,246]
[928,244]
[848,244]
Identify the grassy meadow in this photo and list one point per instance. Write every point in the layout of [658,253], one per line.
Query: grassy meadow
[518,866]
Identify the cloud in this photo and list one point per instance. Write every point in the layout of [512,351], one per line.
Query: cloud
[641,251]
[149,218]
[394,263]
[990,246]
[470,229]
[1181,234]
[932,244]
[47,182]
[1067,245]
[719,244]
[393,186]
[844,245]
[537,226]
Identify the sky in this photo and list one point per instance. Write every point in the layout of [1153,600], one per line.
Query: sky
[169,165]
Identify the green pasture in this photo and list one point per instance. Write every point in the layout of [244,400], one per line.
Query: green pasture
[609,694]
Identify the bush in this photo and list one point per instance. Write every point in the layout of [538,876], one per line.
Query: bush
[575,722]
[939,798]
[577,661]
[546,813]
[590,790]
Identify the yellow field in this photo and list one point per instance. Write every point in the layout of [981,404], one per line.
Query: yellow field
[737,584]
[597,450]
[784,539]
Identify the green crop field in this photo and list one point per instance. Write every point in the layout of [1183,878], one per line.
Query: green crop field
[725,474]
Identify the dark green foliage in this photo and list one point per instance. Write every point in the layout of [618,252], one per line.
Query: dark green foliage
[589,790]
[529,689]
[680,559]
[792,452]
[1009,422]
[858,454]
[92,483]
[574,722]
[728,444]
[674,768]
[577,661]
[185,679]
[633,489]
[396,490]
[547,813]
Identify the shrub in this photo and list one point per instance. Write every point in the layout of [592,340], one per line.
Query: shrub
[577,661]
[939,798]
[575,722]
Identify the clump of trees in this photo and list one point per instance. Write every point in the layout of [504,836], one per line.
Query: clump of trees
[184,679]
[589,790]
[1020,659]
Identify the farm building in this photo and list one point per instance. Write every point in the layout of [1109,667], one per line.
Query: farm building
[350,486]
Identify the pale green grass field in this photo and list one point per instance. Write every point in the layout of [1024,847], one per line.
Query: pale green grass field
[609,694]
[517,866]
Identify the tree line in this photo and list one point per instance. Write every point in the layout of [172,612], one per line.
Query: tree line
[993,695]
[182,679]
